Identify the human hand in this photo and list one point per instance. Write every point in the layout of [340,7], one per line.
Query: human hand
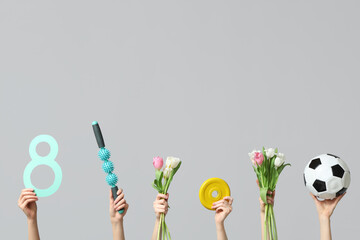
[270,199]
[27,203]
[115,206]
[326,208]
[161,205]
[222,209]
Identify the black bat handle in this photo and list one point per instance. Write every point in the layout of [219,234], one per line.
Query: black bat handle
[98,135]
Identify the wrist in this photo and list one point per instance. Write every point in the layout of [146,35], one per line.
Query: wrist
[117,222]
[219,225]
[158,217]
[324,217]
[32,219]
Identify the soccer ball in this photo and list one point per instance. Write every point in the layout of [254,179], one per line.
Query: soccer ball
[327,176]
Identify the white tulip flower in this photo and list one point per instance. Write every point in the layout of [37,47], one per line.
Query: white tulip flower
[172,162]
[270,152]
[167,172]
[168,161]
[175,162]
[281,155]
[278,161]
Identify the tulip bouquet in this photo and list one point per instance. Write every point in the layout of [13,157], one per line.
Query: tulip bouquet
[268,164]
[162,183]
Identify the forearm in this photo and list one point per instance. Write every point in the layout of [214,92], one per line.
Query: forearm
[325,229]
[220,231]
[156,229]
[262,219]
[118,230]
[33,231]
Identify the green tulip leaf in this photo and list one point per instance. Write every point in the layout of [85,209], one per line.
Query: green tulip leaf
[281,168]
[156,187]
[158,174]
[263,194]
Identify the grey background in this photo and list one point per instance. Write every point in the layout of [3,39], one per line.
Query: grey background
[206,81]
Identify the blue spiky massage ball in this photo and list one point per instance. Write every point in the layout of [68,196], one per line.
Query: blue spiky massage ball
[104,154]
[108,166]
[111,179]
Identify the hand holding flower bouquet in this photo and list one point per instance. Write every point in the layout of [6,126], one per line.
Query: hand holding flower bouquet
[161,183]
[268,164]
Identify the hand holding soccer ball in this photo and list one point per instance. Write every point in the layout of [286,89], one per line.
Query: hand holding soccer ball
[326,208]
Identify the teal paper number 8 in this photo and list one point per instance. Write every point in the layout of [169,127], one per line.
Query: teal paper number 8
[48,160]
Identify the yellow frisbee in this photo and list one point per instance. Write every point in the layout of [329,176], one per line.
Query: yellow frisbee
[212,190]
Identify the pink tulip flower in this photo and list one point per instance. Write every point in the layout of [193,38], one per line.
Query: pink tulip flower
[158,162]
[258,158]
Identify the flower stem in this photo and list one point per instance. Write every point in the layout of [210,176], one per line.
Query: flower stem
[167,230]
[266,223]
[163,230]
[158,235]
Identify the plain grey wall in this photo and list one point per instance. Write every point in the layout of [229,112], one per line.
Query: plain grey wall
[206,81]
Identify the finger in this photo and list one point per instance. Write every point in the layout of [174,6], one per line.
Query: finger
[27,190]
[119,191]
[229,199]
[122,206]
[161,202]
[163,207]
[160,210]
[159,206]
[220,209]
[261,201]
[120,203]
[270,192]
[270,199]
[162,196]
[220,201]
[312,196]
[218,205]
[226,204]
[21,202]
[339,198]
[119,198]
[28,197]
[26,193]
[26,202]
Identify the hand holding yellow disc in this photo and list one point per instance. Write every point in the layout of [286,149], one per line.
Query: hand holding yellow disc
[212,190]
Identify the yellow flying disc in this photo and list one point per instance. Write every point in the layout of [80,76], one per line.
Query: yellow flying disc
[212,190]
